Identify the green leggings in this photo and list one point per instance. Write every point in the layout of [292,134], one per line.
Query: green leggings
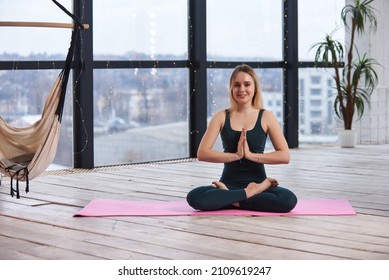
[274,199]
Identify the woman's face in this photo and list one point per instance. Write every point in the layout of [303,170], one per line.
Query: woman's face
[243,88]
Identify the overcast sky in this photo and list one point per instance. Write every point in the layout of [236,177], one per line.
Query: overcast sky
[245,27]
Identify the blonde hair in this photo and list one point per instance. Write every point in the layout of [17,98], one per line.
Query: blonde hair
[257,101]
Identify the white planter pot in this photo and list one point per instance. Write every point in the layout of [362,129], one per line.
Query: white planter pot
[347,138]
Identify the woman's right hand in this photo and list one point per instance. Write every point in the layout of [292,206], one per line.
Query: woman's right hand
[241,143]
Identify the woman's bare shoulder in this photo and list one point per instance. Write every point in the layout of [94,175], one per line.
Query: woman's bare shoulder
[268,119]
[219,115]
[268,114]
[218,119]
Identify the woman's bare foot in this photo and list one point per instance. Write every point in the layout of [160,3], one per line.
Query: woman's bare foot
[254,188]
[220,185]
[274,182]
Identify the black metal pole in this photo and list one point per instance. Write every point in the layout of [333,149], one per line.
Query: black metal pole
[197,74]
[83,147]
[291,77]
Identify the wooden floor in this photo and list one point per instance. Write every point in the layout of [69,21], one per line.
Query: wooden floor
[41,225]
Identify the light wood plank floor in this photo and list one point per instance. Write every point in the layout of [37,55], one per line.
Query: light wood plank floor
[41,225]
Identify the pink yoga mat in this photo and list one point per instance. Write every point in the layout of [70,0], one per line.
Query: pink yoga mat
[109,207]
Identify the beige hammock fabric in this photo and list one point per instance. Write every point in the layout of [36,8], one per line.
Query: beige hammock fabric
[26,152]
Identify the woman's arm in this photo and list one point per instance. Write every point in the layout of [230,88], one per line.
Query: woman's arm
[281,154]
[206,152]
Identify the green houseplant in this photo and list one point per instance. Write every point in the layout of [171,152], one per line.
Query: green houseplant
[355,77]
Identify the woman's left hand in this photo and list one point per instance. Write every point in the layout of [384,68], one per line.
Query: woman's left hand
[246,150]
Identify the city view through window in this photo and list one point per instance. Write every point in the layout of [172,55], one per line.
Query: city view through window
[141,114]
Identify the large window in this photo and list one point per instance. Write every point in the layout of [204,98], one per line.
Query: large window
[317,120]
[140,114]
[146,64]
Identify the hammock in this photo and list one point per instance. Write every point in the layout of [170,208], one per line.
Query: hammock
[26,152]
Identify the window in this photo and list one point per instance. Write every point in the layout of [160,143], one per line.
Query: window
[246,30]
[302,107]
[315,80]
[140,30]
[22,97]
[315,103]
[315,128]
[317,109]
[302,87]
[137,85]
[23,91]
[315,91]
[315,114]
[138,121]
[316,19]
[140,114]
[26,43]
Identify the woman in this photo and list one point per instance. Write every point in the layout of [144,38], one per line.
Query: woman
[243,129]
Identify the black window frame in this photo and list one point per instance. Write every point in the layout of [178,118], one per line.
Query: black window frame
[197,65]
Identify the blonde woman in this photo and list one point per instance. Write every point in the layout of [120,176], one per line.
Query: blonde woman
[244,128]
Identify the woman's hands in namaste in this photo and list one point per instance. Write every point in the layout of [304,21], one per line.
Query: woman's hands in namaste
[243,149]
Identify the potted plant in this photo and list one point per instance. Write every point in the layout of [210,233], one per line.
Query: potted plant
[355,76]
